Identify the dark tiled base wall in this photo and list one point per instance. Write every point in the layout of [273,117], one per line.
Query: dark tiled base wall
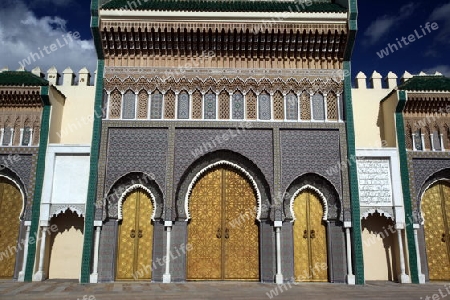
[336,251]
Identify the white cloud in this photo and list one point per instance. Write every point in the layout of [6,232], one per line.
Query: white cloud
[444,69]
[22,33]
[441,16]
[383,24]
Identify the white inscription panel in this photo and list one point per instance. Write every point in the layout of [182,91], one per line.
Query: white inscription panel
[374,178]
[71,178]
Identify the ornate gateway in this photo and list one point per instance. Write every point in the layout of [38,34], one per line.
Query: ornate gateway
[135,238]
[222,230]
[310,247]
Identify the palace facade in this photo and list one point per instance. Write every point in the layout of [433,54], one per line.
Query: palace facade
[224,141]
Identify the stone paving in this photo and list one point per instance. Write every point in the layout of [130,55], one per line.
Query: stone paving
[70,290]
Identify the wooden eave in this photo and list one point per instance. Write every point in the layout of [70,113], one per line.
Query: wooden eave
[20,96]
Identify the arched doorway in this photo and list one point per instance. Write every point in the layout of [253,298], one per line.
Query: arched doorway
[135,238]
[436,213]
[310,243]
[66,246]
[10,208]
[223,249]
[379,247]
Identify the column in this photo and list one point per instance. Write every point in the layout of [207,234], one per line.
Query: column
[21,136]
[442,142]
[279,275]
[94,275]
[25,252]
[2,133]
[107,105]
[166,276]
[136,104]
[40,274]
[121,105]
[403,277]
[419,266]
[350,277]
[30,143]
[433,147]
[338,99]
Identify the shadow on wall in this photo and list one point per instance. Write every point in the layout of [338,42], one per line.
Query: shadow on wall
[380,248]
[66,246]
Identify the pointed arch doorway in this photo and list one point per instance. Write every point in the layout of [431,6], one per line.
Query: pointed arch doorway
[135,239]
[222,230]
[435,208]
[310,244]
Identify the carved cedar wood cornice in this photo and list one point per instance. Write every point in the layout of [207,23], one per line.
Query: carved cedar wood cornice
[264,39]
[19,97]
[417,105]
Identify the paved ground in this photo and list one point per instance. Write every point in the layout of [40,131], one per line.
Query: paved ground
[62,290]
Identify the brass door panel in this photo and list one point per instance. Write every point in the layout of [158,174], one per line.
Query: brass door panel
[317,240]
[241,242]
[221,251]
[301,245]
[10,209]
[436,210]
[135,238]
[310,248]
[204,261]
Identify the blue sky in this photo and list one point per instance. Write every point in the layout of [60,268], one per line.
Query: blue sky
[29,25]
[381,22]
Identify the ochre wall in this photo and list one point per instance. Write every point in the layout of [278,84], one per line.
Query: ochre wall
[66,246]
[77,119]
[366,111]
[380,254]
[389,131]
[57,108]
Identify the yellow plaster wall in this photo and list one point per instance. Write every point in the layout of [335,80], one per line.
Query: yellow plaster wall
[366,113]
[57,108]
[66,247]
[77,120]
[379,249]
[389,129]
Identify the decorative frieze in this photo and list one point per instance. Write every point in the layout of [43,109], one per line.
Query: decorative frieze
[141,81]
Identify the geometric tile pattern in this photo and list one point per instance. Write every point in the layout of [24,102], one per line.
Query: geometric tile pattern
[423,167]
[24,168]
[254,144]
[136,149]
[310,151]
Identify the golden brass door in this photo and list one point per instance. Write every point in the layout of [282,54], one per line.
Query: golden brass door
[436,212]
[10,208]
[134,256]
[310,247]
[223,249]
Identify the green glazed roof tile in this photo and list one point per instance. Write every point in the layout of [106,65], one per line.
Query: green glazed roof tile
[21,78]
[426,83]
[223,6]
